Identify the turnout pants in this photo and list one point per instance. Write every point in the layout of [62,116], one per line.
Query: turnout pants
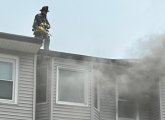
[45,37]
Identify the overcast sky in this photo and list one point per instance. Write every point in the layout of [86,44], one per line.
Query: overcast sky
[102,28]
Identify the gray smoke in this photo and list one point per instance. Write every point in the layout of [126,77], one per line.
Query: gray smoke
[144,73]
[136,77]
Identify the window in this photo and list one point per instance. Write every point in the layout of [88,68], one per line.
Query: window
[72,86]
[8,78]
[126,108]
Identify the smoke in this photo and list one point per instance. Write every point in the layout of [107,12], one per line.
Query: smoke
[136,77]
[141,78]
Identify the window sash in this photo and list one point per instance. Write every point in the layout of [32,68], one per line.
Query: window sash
[126,108]
[6,71]
[3,94]
[85,87]
[14,61]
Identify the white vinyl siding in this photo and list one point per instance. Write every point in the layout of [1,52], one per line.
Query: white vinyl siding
[146,112]
[96,114]
[43,108]
[155,104]
[60,110]
[107,106]
[95,100]
[68,111]
[72,86]
[23,110]
[8,78]
[41,91]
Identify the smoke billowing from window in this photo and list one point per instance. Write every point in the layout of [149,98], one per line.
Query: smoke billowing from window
[145,72]
[140,76]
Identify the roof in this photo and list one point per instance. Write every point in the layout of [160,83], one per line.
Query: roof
[20,38]
[19,43]
[32,45]
[65,55]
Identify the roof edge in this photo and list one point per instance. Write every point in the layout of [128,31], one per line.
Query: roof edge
[20,38]
[82,57]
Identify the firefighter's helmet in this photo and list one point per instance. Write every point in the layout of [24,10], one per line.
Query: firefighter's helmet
[45,8]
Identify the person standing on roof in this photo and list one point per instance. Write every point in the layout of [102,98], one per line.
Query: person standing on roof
[41,26]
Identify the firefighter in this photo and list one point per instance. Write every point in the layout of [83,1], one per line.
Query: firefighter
[41,26]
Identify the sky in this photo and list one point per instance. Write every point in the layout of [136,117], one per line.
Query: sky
[100,28]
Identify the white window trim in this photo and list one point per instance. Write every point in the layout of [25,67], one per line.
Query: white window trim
[15,61]
[86,92]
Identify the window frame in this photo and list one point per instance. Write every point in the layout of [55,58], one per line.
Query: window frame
[121,99]
[134,108]
[86,86]
[15,65]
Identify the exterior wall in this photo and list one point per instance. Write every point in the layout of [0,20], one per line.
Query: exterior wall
[155,103]
[107,106]
[162,99]
[43,109]
[69,112]
[106,96]
[55,111]
[102,74]
[109,94]
[23,110]
[144,111]
[96,114]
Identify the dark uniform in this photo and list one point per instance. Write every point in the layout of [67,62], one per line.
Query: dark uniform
[41,26]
